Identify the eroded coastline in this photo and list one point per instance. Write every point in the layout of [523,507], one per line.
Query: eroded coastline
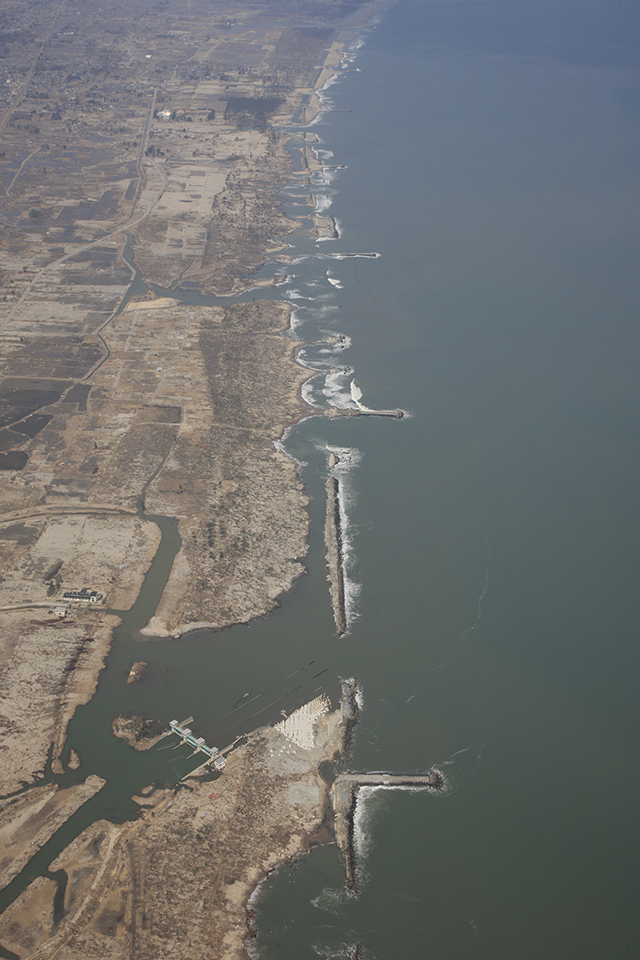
[171,406]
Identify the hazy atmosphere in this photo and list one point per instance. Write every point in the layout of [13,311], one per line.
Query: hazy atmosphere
[318,473]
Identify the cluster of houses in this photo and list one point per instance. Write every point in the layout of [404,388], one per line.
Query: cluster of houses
[76,596]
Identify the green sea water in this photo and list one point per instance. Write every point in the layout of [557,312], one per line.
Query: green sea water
[490,159]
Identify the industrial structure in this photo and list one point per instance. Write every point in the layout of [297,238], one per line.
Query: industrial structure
[185,734]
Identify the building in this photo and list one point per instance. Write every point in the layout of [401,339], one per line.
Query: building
[81,596]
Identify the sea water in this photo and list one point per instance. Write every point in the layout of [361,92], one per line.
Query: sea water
[481,170]
[490,161]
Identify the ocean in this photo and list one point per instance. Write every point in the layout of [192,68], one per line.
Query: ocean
[490,154]
[486,154]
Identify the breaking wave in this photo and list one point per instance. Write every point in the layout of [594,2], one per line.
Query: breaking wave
[322,202]
[331,900]
[342,951]
[335,387]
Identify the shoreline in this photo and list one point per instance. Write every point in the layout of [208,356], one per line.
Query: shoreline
[269,807]
[157,477]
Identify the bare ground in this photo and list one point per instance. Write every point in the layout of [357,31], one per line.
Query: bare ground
[156,126]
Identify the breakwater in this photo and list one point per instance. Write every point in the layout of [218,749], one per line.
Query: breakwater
[335,412]
[350,713]
[344,797]
[333,543]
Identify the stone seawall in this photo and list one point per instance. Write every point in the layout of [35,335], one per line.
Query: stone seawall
[333,543]
[350,713]
[344,796]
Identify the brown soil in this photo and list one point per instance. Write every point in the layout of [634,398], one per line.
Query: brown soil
[28,820]
[156,126]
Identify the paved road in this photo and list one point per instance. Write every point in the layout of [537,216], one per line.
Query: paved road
[54,509]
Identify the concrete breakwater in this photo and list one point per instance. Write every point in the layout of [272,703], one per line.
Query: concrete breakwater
[333,543]
[334,412]
[343,794]
[344,797]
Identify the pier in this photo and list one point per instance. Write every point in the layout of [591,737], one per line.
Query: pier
[433,779]
[334,412]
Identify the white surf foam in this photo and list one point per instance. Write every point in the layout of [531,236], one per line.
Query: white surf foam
[309,393]
[336,388]
[322,202]
[331,900]
[369,802]
[352,256]
[352,589]
[341,952]
[280,447]
[295,320]
[251,948]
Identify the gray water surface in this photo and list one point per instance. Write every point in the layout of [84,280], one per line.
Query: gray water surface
[491,155]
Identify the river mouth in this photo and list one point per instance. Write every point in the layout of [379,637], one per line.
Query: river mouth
[203,672]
